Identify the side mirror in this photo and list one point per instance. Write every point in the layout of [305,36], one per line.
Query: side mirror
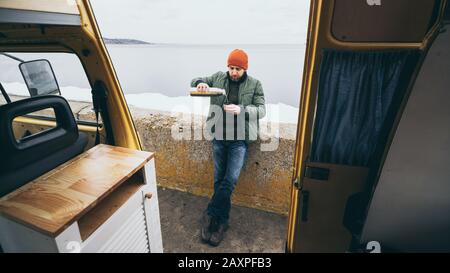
[39,77]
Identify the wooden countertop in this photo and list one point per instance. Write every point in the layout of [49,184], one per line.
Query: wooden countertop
[55,200]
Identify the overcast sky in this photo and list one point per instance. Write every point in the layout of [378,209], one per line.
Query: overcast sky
[204,21]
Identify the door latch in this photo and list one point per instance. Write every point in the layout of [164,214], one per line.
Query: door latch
[297,183]
[317,173]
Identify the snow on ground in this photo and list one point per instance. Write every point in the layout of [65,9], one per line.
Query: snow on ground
[185,104]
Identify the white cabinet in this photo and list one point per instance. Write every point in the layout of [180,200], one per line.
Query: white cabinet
[134,227]
[116,211]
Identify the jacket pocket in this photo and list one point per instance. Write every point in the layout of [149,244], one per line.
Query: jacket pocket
[247,98]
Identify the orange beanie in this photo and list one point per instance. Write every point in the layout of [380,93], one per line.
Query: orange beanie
[238,58]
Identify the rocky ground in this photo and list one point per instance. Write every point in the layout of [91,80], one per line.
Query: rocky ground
[250,231]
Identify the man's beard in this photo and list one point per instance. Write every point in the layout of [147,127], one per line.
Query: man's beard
[235,79]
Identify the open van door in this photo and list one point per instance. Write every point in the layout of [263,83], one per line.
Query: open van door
[69,184]
[361,63]
[70,27]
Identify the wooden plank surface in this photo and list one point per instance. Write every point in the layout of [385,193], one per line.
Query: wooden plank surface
[60,197]
[205,93]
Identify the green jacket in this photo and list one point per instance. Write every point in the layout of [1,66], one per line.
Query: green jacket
[251,100]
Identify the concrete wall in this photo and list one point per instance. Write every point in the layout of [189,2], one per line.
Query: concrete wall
[187,164]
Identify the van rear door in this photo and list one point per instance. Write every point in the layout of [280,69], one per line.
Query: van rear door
[362,59]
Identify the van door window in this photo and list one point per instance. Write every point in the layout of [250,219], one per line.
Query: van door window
[31,74]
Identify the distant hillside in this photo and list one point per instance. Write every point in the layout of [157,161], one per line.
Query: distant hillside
[124,41]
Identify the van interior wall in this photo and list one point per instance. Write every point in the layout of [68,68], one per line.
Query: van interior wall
[410,206]
[356,91]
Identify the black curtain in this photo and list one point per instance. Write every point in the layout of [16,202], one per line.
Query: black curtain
[356,90]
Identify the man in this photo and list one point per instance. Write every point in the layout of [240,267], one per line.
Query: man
[233,123]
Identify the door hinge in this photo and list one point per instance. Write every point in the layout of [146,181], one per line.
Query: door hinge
[305,203]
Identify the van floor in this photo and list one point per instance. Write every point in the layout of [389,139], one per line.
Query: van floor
[251,230]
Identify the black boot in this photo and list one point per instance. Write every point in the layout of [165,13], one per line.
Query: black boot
[218,232]
[205,230]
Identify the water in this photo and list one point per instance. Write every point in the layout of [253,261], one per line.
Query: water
[169,69]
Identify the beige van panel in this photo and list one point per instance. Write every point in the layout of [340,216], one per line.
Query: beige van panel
[323,229]
[57,6]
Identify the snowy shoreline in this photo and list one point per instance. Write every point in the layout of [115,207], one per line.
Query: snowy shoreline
[279,112]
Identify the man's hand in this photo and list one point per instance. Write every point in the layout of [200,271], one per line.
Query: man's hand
[232,109]
[202,87]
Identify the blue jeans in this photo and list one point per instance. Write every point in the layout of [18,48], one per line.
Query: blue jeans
[229,158]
